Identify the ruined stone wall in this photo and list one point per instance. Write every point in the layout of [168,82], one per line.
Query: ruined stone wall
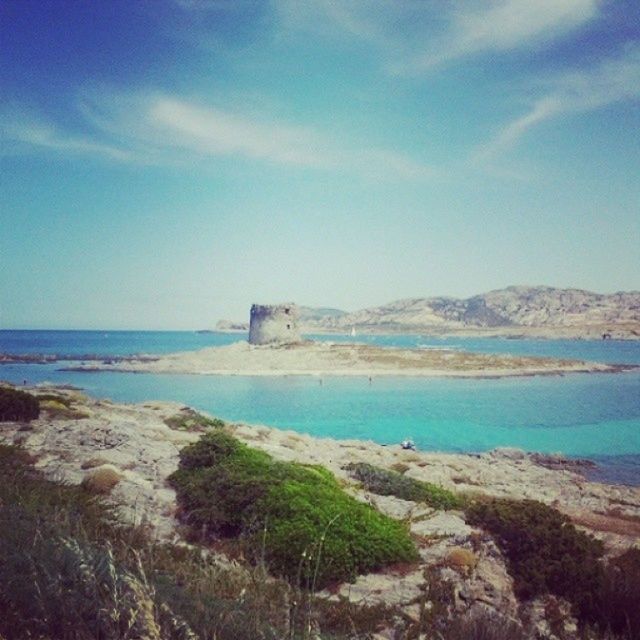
[274,324]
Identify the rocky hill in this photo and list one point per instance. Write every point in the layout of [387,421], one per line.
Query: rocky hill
[514,310]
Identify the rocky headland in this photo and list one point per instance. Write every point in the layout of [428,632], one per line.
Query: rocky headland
[79,439]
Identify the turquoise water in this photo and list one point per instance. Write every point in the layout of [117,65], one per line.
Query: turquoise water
[596,416]
[110,343]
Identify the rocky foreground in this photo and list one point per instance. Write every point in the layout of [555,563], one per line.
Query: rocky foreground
[342,359]
[78,438]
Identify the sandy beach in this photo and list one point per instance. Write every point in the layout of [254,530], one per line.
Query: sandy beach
[340,359]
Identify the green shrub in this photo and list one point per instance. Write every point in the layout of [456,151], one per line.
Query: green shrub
[17,405]
[392,483]
[544,551]
[189,420]
[56,410]
[306,527]
[55,397]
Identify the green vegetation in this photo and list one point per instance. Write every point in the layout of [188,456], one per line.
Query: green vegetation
[55,397]
[55,410]
[189,420]
[17,405]
[306,527]
[392,483]
[69,570]
[54,582]
[545,552]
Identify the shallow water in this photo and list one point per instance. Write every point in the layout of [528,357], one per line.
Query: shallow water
[590,415]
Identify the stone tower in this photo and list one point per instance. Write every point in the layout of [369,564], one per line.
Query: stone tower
[274,324]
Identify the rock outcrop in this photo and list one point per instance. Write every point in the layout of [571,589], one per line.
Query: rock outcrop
[137,446]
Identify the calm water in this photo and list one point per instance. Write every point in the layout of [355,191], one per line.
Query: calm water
[596,416]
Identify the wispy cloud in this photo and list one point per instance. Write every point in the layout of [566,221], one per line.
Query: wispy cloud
[214,132]
[613,80]
[36,132]
[416,36]
[162,129]
[502,26]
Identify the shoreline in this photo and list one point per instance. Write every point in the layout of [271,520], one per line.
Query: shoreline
[473,375]
[136,438]
[328,359]
[628,333]
[79,439]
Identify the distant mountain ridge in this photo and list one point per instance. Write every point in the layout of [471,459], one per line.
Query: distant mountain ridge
[516,310]
[516,305]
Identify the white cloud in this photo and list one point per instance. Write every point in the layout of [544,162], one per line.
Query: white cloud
[510,24]
[414,36]
[613,80]
[161,129]
[34,132]
[214,132]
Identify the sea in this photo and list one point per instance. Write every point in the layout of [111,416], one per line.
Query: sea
[594,416]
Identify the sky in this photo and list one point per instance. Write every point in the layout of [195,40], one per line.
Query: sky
[167,163]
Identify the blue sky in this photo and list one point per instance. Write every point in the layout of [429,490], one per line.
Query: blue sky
[165,163]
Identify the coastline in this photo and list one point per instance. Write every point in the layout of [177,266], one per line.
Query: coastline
[77,437]
[323,359]
[630,332]
[137,438]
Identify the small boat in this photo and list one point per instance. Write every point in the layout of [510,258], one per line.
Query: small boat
[353,331]
[408,444]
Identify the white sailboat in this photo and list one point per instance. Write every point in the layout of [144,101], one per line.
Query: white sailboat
[353,331]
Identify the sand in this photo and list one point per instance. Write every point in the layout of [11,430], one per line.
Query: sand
[341,359]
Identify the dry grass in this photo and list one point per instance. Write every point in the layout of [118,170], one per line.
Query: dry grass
[400,467]
[101,480]
[461,558]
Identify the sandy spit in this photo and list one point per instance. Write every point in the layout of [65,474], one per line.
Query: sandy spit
[340,359]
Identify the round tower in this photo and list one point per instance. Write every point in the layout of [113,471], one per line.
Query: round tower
[274,324]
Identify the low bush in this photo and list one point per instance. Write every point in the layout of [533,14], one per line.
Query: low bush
[189,420]
[392,483]
[17,405]
[461,558]
[544,551]
[56,410]
[101,479]
[55,397]
[306,527]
